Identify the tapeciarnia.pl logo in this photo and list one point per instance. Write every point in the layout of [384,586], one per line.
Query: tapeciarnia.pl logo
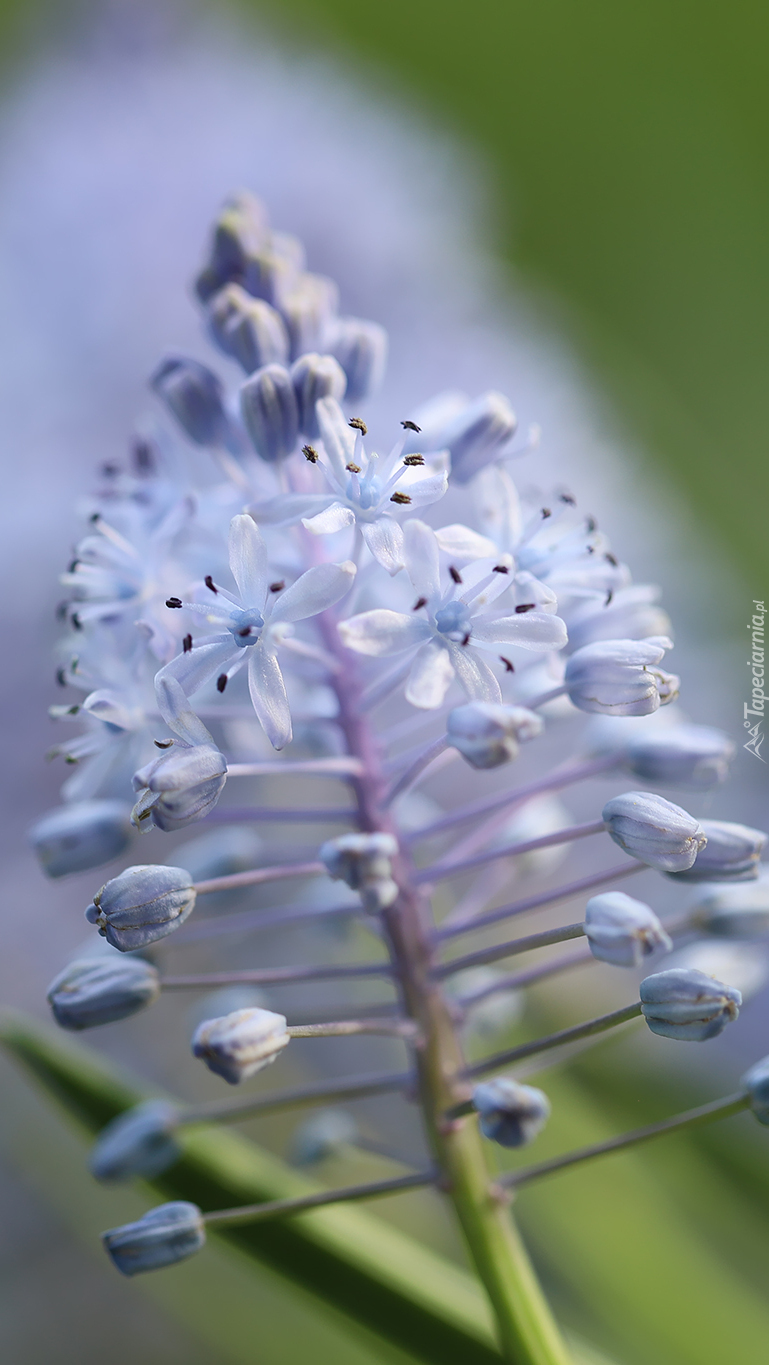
[755,707]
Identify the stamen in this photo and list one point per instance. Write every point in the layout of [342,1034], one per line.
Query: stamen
[454,574]
[410,426]
[509,668]
[612,559]
[174,602]
[413,461]
[591,524]
[402,499]
[609,596]
[278,586]
[419,604]
[187,644]
[162,743]
[524,606]
[311,454]
[500,568]
[209,582]
[221,682]
[352,468]
[61,677]
[359,425]
[546,512]
[78,624]
[568,498]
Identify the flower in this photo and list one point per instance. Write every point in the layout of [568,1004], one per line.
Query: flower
[138,1142]
[363,861]
[80,835]
[733,910]
[731,853]
[488,734]
[449,624]
[618,677]
[248,329]
[165,1235]
[184,782]
[256,623]
[314,377]
[684,1003]
[653,829]
[511,1114]
[195,396]
[361,349]
[623,931]
[143,904]
[238,1045]
[685,755]
[270,413]
[99,991]
[475,433]
[364,489]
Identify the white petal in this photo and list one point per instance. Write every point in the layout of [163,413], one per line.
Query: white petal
[384,538]
[176,711]
[499,506]
[462,543]
[268,693]
[420,549]
[383,631]
[289,507]
[200,664]
[338,437]
[430,677]
[109,707]
[335,518]
[530,630]
[316,590]
[427,490]
[248,560]
[475,676]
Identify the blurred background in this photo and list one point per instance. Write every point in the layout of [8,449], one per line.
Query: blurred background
[566,203]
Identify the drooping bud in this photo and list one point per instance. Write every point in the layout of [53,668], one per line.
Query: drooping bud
[143,904]
[195,396]
[308,310]
[756,1083]
[138,1142]
[238,1045]
[84,834]
[240,232]
[618,677]
[361,349]
[738,910]
[730,855]
[654,830]
[323,1135]
[510,1114]
[363,861]
[632,614]
[684,1003]
[685,755]
[102,990]
[178,787]
[478,434]
[248,329]
[623,931]
[165,1235]
[488,734]
[270,413]
[315,376]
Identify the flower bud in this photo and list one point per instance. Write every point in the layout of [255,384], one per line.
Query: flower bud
[756,1083]
[178,787]
[623,931]
[684,755]
[322,1136]
[249,330]
[511,1114]
[654,830]
[83,834]
[617,677]
[138,1142]
[101,990]
[363,862]
[315,376]
[269,410]
[195,396]
[488,734]
[739,910]
[730,855]
[684,1003]
[361,349]
[238,1045]
[308,309]
[479,434]
[165,1235]
[633,614]
[272,273]
[143,904]
[240,232]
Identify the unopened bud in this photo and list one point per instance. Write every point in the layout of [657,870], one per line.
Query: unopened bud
[623,931]
[165,1235]
[730,855]
[178,787]
[240,232]
[737,910]
[684,755]
[101,990]
[83,834]
[271,274]
[238,1045]
[248,329]
[488,734]
[756,1083]
[195,396]
[618,677]
[478,434]
[322,1136]
[139,1142]
[686,1004]
[270,413]
[308,310]
[632,614]
[143,904]
[315,376]
[361,349]
[654,830]
[363,861]
[510,1114]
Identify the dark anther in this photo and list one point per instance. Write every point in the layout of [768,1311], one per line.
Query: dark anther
[209,582]
[500,568]
[546,513]
[61,677]
[73,710]
[143,455]
[419,604]
[591,524]
[359,425]
[310,453]
[568,499]
[412,460]
[72,565]
[410,426]
[352,468]
[187,644]
[75,619]
[524,606]
[279,586]
[61,611]
[94,517]
[591,549]
[609,596]
[162,743]
[508,666]
[174,602]
[221,682]
[612,559]
[402,499]
[454,574]
[110,471]
[466,639]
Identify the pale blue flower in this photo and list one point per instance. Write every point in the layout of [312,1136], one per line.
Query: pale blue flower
[185,780]
[138,1142]
[686,1004]
[80,835]
[240,1044]
[100,990]
[488,734]
[165,1235]
[142,905]
[511,1114]
[623,931]
[620,677]
[653,829]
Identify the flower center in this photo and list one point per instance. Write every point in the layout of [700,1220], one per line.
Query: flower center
[246,627]
[454,620]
